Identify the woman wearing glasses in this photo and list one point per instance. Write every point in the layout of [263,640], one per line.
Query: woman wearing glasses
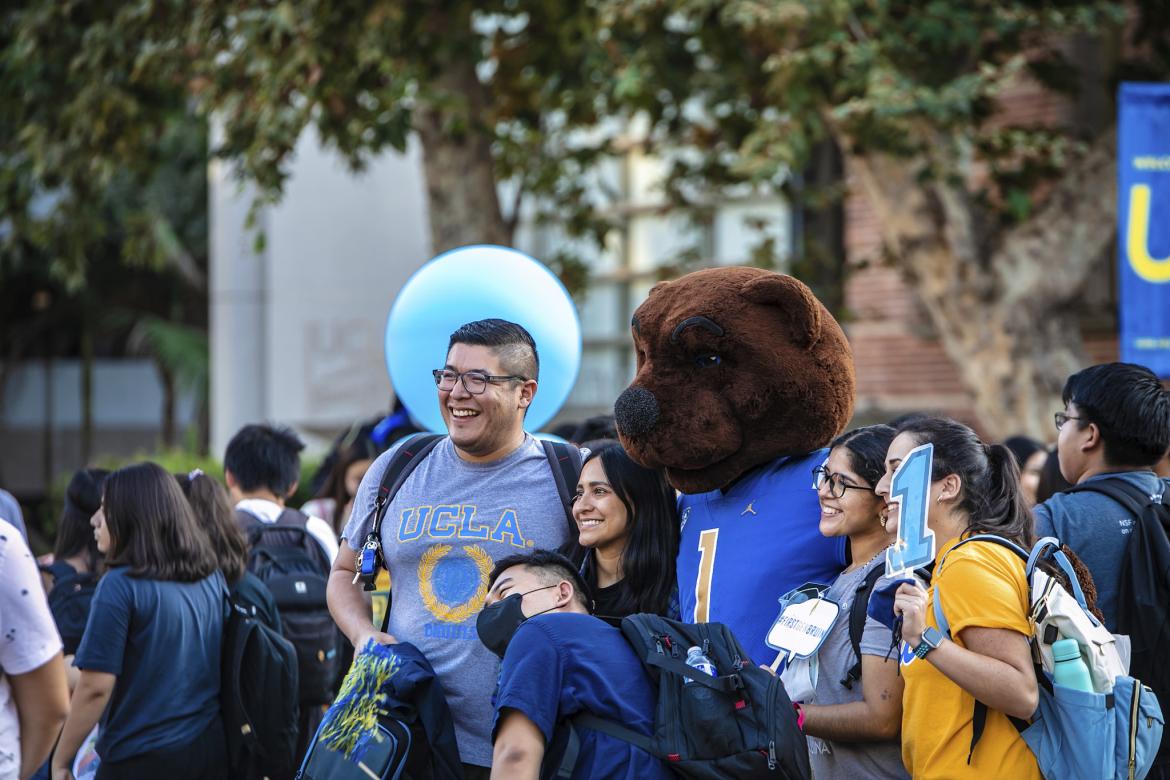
[851,697]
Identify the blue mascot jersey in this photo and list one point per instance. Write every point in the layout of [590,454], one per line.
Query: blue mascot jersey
[740,551]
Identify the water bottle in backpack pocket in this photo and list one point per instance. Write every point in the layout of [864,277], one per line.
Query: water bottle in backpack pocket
[1111,730]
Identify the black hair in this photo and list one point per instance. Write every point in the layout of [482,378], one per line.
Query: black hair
[1051,480]
[83,497]
[552,565]
[217,519]
[152,527]
[867,447]
[1129,406]
[1022,448]
[990,493]
[652,534]
[264,457]
[510,342]
[600,427]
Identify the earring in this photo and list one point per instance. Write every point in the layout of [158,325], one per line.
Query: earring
[939,501]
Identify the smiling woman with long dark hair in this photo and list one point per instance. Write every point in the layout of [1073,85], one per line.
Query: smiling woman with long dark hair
[628,535]
[150,656]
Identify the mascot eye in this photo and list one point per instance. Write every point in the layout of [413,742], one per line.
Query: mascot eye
[708,360]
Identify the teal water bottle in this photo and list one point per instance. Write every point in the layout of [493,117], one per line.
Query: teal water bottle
[1070,669]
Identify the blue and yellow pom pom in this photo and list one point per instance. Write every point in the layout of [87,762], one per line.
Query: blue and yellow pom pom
[351,722]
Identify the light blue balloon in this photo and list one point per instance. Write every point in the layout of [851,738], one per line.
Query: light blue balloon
[476,283]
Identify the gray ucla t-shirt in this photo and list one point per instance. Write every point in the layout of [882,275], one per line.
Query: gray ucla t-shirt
[846,760]
[442,534]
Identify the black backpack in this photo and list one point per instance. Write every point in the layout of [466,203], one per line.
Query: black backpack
[287,559]
[69,602]
[739,724]
[563,460]
[258,697]
[1143,598]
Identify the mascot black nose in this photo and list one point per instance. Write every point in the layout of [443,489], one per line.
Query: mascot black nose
[636,411]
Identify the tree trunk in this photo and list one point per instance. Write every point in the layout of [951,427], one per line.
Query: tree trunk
[1004,304]
[463,204]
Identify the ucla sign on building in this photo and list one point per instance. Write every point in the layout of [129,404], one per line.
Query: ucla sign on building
[1143,165]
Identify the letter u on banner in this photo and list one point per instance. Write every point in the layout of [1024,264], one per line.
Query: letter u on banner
[1143,170]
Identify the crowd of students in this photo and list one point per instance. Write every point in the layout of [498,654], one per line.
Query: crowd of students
[138,655]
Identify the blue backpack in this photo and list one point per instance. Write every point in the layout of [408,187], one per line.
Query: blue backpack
[1075,735]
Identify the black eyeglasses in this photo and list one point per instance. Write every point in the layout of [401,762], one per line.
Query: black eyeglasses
[836,482]
[474,382]
[1061,418]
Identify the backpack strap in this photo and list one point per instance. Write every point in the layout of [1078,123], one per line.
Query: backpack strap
[979,716]
[565,462]
[857,616]
[405,459]
[1130,496]
[587,720]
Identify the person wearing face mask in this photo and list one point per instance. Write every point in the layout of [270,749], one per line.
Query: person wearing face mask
[557,660]
[851,695]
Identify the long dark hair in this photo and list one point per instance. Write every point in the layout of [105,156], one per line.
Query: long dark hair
[990,493]
[217,519]
[333,488]
[83,497]
[152,528]
[651,534]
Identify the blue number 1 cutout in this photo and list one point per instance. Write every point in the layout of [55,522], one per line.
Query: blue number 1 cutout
[911,488]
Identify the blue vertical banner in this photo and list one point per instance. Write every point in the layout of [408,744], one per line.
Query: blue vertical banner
[1143,235]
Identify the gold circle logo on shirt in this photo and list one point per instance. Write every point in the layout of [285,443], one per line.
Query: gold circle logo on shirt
[434,559]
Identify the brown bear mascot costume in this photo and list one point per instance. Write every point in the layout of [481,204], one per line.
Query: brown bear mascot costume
[743,377]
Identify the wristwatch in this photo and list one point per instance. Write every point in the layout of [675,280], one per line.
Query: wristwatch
[931,639]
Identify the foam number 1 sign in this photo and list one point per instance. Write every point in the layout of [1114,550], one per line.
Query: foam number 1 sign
[910,487]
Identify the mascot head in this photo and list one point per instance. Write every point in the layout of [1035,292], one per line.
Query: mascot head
[736,367]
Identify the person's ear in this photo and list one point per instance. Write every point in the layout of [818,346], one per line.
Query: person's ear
[292,489]
[230,479]
[564,593]
[950,487]
[527,393]
[1090,437]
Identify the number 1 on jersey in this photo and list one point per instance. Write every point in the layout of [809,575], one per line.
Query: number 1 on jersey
[707,541]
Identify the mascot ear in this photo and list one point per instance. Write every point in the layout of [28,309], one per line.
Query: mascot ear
[797,305]
[659,287]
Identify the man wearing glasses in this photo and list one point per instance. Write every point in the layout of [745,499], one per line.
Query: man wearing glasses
[484,492]
[1115,426]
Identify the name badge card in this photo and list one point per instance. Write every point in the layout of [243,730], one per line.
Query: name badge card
[803,623]
[910,487]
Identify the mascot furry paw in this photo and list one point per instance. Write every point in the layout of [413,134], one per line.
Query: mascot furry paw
[743,377]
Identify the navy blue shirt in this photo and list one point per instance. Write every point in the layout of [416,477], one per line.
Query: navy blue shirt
[1097,528]
[741,550]
[162,641]
[560,664]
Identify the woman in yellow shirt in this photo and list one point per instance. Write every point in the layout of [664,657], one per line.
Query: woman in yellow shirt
[974,490]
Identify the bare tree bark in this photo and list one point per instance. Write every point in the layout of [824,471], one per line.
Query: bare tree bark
[1004,304]
[463,202]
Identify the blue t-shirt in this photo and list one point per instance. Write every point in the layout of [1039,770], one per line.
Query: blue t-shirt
[1097,528]
[162,641]
[741,550]
[560,664]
